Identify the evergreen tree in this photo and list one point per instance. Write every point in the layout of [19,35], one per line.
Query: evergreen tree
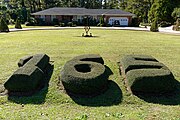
[161,10]
[3,25]
[18,24]
[154,26]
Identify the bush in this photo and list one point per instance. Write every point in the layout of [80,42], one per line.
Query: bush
[24,60]
[70,24]
[154,26]
[39,60]
[164,24]
[135,22]
[146,75]
[176,27]
[3,25]
[84,75]
[25,79]
[151,81]
[55,21]
[90,57]
[18,24]
[30,75]
[62,24]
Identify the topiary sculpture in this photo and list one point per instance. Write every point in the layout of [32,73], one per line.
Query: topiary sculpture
[85,75]
[144,74]
[30,75]
[3,25]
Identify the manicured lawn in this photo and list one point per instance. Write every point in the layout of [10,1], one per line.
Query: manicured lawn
[112,45]
[24,26]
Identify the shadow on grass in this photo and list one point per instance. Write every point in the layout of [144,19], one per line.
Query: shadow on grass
[108,97]
[172,98]
[112,96]
[88,37]
[36,97]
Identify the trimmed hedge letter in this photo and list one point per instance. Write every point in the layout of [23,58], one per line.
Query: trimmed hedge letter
[30,75]
[144,74]
[85,74]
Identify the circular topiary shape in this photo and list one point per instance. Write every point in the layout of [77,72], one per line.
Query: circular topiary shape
[84,77]
[150,81]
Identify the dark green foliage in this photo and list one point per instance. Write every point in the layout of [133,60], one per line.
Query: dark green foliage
[144,74]
[30,75]
[55,21]
[154,26]
[151,80]
[25,79]
[176,27]
[39,60]
[130,62]
[90,57]
[135,22]
[165,24]
[85,75]
[3,25]
[24,60]
[18,24]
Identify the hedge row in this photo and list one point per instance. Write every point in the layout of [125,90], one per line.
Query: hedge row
[144,74]
[85,74]
[30,74]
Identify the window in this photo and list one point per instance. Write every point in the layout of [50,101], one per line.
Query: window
[52,17]
[43,17]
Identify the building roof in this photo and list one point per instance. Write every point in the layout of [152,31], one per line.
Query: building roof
[81,11]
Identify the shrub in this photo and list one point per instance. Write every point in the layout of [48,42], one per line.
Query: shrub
[55,21]
[70,24]
[85,75]
[25,79]
[151,80]
[30,75]
[164,24]
[82,77]
[176,27]
[18,24]
[39,60]
[130,62]
[90,57]
[24,60]
[144,74]
[62,24]
[3,25]
[154,26]
[135,22]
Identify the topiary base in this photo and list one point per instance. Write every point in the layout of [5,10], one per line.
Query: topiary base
[84,75]
[144,74]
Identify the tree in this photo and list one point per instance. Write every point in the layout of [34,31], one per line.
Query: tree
[140,8]
[161,10]
[3,25]
[18,23]
[176,13]
[154,26]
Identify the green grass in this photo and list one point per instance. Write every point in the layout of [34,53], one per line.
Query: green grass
[112,45]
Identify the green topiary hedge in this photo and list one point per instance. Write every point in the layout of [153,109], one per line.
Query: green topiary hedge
[39,60]
[151,80]
[3,25]
[24,60]
[25,79]
[18,24]
[84,75]
[90,57]
[30,75]
[145,74]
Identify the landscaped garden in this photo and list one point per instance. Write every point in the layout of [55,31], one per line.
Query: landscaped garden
[116,102]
